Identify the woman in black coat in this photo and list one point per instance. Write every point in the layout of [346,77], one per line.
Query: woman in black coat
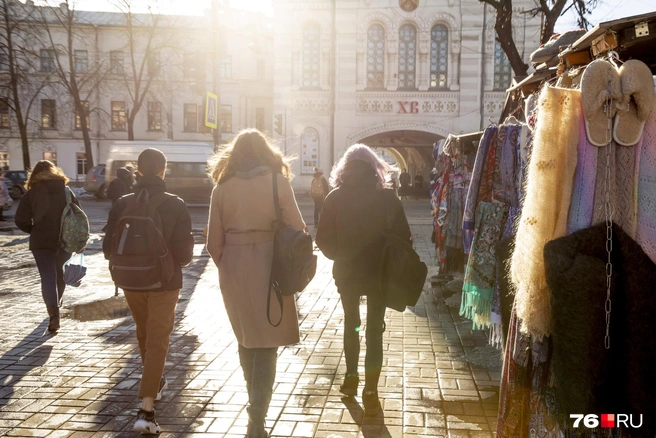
[350,232]
[39,214]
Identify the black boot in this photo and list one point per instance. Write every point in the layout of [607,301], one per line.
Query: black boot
[264,373]
[53,312]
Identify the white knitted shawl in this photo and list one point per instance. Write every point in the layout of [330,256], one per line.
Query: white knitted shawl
[546,203]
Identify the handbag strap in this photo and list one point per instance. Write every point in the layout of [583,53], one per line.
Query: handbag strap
[275,225]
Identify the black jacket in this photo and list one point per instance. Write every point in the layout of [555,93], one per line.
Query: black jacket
[39,212]
[351,227]
[176,224]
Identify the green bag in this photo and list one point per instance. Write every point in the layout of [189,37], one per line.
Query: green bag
[74,231]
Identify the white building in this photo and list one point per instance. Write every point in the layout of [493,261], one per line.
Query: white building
[394,74]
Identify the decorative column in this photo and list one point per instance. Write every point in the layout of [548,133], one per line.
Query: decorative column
[423,72]
[392,70]
[452,74]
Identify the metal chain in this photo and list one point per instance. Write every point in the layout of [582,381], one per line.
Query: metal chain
[608,209]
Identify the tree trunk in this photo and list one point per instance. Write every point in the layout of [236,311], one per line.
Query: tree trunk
[25,146]
[130,129]
[87,141]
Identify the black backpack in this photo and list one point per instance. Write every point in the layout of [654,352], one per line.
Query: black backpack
[402,273]
[294,263]
[140,259]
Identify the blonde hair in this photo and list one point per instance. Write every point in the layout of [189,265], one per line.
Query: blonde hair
[45,170]
[250,147]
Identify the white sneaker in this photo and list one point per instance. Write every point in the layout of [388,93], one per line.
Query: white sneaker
[146,423]
[163,384]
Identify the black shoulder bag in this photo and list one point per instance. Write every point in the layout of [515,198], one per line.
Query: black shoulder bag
[402,273]
[294,264]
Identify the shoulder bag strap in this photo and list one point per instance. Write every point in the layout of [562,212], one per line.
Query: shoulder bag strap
[272,283]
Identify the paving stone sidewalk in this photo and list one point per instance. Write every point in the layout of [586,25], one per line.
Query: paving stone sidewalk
[83,381]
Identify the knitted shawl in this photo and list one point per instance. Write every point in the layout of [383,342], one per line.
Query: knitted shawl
[646,226]
[546,205]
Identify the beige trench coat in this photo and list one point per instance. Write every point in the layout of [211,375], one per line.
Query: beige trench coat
[240,242]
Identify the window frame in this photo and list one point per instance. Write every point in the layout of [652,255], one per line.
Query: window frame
[82,161]
[116,62]
[5,120]
[501,67]
[5,160]
[77,61]
[409,47]
[78,123]
[435,49]
[311,57]
[186,117]
[225,67]
[225,116]
[154,116]
[4,61]
[116,116]
[49,104]
[47,61]
[371,51]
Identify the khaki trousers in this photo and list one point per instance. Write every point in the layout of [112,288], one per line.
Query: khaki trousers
[154,314]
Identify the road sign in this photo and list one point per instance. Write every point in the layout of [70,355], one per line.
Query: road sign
[211,110]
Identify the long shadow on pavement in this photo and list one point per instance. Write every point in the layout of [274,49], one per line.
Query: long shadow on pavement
[371,427]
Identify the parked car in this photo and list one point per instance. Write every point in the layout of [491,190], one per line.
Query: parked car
[15,180]
[95,181]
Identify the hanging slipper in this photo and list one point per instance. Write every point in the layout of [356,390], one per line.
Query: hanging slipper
[637,101]
[599,82]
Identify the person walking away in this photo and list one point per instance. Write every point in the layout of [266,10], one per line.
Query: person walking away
[351,229]
[5,198]
[319,190]
[39,214]
[121,185]
[240,241]
[419,182]
[153,310]
[404,180]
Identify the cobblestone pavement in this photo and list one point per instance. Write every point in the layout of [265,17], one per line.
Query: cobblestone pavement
[83,381]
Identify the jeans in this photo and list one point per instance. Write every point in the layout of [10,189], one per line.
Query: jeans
[50,264]
[259,366]
[318,205]
[373,361]
[154,315]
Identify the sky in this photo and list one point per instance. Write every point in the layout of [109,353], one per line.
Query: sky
[608,10]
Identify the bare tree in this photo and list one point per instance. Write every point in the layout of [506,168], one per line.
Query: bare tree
[19,88]
[80,78]
[551,11]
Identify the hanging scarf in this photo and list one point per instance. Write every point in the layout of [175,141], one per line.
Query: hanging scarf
[546,204]
[646,198]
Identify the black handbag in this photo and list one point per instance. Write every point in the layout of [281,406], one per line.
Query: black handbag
[402,273]
[294,263]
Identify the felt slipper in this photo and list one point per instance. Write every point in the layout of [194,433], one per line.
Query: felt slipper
[599,82]
[637,101]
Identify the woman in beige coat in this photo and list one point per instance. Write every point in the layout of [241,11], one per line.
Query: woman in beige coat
[240,241]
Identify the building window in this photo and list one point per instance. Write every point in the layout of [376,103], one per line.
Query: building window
[438,56]
[4,160]
[311,55]
[153,64]
[78,119]
[375,56]
[261,72]
[50,156]
[407,56]
[47,60]
[4,114]
[116,62]
[188,64]
[259,119]
[226,118]
[190,117]
[502,70]
[48,114]
[225,67]
[309,150]
[118,116]
[81,61]
[154,116]
[4,61]
[81,163]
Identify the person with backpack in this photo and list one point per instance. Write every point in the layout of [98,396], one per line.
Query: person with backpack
[120,185]
[351,232]
[241,242]
[148,242]
[39,214]
[319,190]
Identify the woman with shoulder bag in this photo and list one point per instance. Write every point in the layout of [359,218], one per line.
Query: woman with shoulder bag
[39,214]
[351,232]
[240,241]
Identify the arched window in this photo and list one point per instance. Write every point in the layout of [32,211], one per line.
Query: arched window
[311,56]
[375,56]
[309,150]
[502,70]
[407,56]
[438,56]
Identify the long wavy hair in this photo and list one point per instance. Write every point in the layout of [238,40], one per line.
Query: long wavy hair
[45,170]
[250,148]
[364,153]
